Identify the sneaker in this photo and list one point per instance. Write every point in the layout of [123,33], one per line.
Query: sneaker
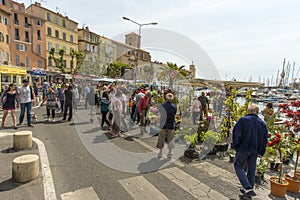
[53,120]
[242,190]
[30,125]
[250,193]
[48,119]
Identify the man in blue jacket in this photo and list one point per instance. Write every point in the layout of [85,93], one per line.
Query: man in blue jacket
[250,136]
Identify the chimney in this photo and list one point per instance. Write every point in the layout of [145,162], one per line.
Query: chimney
[37,4]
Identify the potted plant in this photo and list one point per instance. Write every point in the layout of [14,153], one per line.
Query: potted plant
[261,168]
[292,125]
[210,138]
[191,142]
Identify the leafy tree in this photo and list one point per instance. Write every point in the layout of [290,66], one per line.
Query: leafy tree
[59,62]
[115,69]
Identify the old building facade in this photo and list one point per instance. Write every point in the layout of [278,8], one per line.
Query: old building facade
[61,33]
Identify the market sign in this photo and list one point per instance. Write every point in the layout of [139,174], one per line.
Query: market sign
[12,70]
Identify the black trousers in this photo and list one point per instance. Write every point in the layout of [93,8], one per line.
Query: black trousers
[104,119]
[68,106]
[52,112]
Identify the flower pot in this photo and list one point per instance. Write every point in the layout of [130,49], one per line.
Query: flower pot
[294,183]
[259,178]
[223,147]
[278,189]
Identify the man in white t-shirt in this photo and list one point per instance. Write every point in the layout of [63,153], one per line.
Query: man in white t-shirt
[26,99]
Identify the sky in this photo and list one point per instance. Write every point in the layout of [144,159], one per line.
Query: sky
[244,38]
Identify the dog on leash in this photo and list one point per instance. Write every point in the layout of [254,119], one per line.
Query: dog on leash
[33,118]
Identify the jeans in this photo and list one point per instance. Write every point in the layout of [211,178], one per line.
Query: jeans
[195,117]
[242,159]
[28,106]
[62,102]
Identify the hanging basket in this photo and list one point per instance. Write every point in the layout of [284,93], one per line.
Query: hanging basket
[278,189]
[294,183]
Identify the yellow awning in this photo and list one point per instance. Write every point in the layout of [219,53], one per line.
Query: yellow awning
[12,70]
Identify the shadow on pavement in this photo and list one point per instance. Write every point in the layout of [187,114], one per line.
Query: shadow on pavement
[9,185]
[93,130]
[152,165]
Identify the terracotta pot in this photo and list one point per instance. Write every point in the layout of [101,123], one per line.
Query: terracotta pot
[278,189]
[294,184]
[298,174]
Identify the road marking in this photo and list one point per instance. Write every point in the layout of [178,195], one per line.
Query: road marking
[85,194]
[49,190]
[141,189]
[191,185]
[228,177]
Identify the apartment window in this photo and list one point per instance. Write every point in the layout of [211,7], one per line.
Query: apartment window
[39,35]
[65,63]
[2,2]
[65,49]
[20,8]
[26,36]
[5,20]
[26,24]
[56,33]
[56,19]
[57,47]
[38,22]
[71,38]
[64,36]
[49,31]
[40,64]
[49,17]
[7,57]
[17,35]
[21,47]
[39,48]
[49,61]
[49,46]
[7,39]
[16,21]
[71,26]
[1,37]
[27,61]
[18,60]
[64,23]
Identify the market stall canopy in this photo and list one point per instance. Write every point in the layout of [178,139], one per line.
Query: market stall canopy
[38,72]
[12,70]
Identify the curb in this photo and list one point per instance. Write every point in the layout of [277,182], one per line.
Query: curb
[49,190]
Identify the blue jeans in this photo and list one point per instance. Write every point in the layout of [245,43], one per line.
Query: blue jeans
[62,102]
[242,159]
[28,106]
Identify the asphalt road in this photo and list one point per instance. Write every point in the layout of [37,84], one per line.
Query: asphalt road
[75,150]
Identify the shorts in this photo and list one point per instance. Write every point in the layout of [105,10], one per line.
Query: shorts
[165,135]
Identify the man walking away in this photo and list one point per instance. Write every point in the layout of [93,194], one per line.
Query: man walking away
[204,104]
[250,135]
[167,124]
[68,103]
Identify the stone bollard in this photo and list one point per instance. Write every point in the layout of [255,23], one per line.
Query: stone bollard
[22,140]
[25,168]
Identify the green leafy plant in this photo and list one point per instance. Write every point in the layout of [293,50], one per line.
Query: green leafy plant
[192,139]
[211,136]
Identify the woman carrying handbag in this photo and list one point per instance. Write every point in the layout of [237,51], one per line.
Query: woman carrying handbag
[51,104]
[8,101]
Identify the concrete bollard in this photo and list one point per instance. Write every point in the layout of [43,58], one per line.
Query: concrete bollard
[25,168]
[22,140]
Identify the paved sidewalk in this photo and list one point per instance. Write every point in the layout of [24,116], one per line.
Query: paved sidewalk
[32,190]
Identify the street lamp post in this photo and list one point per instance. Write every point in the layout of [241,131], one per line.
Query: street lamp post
[139,41]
